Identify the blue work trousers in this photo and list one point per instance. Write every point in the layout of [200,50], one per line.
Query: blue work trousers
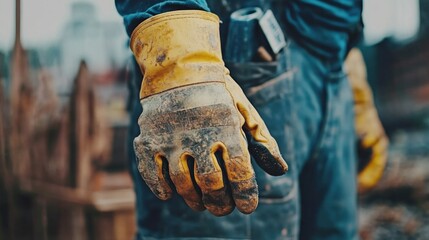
[308,108]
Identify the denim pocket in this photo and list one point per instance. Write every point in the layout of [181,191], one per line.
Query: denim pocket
[273,101]
[269,87]
[275,89]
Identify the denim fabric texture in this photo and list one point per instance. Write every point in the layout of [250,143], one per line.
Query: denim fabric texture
[307,105]
[308,109]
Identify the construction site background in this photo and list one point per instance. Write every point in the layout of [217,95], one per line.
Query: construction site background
[63,128]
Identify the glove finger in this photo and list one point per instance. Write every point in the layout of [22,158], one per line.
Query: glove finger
[364,155]
[267,156]
[240,174]
[372,173]
[379,155]
[151,170]
[366,147]
[213,185]
[262,145]
[186,186]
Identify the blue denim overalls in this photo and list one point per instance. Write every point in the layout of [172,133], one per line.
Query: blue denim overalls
[307,105]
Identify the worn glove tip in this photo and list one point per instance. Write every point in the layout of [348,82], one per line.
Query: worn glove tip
[245,194]
[220,212]
[273,165]
[196,206]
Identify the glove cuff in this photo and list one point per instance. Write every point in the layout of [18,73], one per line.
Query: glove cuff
[176,49]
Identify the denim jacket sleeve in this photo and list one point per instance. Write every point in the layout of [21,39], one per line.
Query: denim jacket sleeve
[134,11]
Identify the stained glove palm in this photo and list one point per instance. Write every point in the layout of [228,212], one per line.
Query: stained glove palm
[195,117]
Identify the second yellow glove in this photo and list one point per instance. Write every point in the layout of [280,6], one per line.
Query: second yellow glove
[372,140]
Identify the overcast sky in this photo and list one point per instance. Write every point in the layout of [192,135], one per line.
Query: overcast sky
[397,18]
[42,20]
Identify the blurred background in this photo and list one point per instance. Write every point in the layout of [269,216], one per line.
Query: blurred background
[64,70]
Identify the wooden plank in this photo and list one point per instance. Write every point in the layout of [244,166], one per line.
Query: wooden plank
[124,223]
[21,104]
[73,224]
[116,225]
[102,180]
[81,113]
[90,137]
[54,192]
[21,109]
[113,200]
[103,201]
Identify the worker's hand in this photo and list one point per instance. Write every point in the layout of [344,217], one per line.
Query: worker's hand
[195,118]
[372,144]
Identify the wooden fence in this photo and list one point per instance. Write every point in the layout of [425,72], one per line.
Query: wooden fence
[51,184]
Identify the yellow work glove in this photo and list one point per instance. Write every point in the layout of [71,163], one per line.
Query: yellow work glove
[372,140]
[195,118]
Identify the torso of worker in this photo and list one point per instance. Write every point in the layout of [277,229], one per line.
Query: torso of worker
[307,111]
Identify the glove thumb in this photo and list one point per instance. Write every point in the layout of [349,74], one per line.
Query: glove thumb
[262,146]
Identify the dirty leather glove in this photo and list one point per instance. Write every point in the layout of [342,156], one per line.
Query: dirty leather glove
[195,117]
[372,141]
